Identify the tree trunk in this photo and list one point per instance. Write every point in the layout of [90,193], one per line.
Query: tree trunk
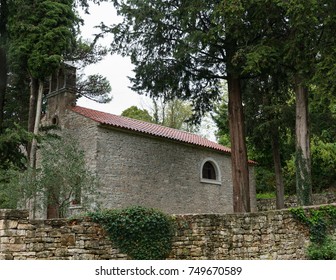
[34,85]
[32,109]
[36,125]
[303,161]
[280,193]
[240,174]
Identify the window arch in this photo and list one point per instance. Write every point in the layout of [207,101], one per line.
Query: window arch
[55,120]
[210,172]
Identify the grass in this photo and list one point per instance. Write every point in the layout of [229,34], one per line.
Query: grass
[267,195]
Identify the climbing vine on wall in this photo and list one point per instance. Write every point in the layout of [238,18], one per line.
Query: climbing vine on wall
[320,222]
[141,233]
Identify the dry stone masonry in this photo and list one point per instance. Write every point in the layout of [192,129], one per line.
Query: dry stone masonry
[291,201]
[263,235]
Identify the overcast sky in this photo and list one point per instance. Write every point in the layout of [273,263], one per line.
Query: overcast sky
[114,67]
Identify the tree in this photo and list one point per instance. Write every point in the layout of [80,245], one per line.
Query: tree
[303,42]
[135,113]
[64,179]
[3,57]
[185,49]
[173,113]
[94,87]
[27,30]
[267,119]
[61,180]
[42,32]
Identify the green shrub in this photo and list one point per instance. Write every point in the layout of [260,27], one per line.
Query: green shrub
[141,233]
[325,251]
[320,222]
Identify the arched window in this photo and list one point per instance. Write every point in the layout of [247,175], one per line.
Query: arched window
[210,172]
[55,120]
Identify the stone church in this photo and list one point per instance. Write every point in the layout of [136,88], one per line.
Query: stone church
[140,163]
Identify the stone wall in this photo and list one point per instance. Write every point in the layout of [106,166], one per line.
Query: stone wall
[24,239]
[291,201]
[264,235]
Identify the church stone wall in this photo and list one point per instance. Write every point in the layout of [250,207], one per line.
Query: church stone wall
[136,169]
[86,133]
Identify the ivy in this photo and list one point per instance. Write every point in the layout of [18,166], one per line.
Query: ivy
[320,222]
[141,233]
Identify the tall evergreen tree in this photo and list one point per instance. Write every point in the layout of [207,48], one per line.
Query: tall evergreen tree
[185,49]
[306,31]
[42,32]
[3,58]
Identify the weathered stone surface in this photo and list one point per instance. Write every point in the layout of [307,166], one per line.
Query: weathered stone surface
[266,235]
[68,240]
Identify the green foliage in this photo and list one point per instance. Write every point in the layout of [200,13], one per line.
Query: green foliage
[289,175]
[181,50]
[63,177]
[95,87]
[174,113]
[135,113]
[323,157]
[9,192]
[141,233]
[265,179]
[171,113]
[12,144]
[321,222]
[16,186]
[42,32]
[326,251]
[61,180]
[323,163]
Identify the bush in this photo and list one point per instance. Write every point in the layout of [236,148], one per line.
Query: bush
[325,251]
[320,222]
[141,233]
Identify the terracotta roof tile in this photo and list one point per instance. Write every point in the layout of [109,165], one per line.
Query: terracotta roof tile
[149,128]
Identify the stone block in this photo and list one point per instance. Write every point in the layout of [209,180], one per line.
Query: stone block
[44,255]
[26,226]
[8,224]
[6,256]
[24,256]
[68,240]
[248,238]
[12,247]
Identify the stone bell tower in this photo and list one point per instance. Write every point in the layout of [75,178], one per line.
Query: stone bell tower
[62,94]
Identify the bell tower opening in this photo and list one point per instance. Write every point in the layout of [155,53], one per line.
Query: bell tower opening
[62,94]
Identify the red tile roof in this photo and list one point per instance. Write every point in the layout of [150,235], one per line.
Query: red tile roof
[148,128]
